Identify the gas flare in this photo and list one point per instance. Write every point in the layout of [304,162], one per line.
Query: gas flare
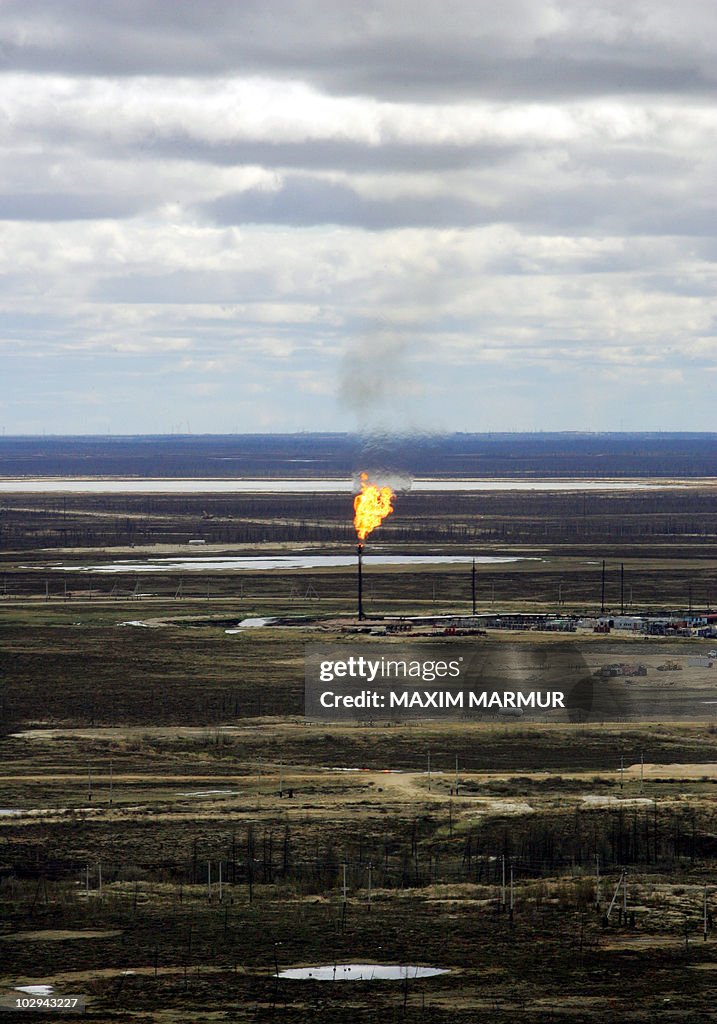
[371,507]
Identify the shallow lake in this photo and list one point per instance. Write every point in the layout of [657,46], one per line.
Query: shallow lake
[29,485]
[248,563]
[360,972]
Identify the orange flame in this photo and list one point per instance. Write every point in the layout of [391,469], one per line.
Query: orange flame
[371,507]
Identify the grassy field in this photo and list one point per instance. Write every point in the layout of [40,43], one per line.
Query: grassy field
[138,763]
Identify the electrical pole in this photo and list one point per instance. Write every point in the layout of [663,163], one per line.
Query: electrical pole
[614,896]
[602,589]
[473,587]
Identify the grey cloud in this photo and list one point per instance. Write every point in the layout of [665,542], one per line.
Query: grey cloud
[330,154]
[304,201]
[61,206]
[426,51]
[619,207]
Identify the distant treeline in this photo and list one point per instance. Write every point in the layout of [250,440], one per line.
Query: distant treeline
[326,455]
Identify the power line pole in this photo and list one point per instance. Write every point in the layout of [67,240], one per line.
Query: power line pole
[602,589]
[473,587]
[343,898]
[614,896]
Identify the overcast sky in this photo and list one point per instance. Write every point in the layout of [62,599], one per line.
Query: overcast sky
[271,215]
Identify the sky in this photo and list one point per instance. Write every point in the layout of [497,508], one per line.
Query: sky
[267,215]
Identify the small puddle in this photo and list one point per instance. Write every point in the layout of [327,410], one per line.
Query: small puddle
[360,972]
[210,792]
[255,623]
[13,812]
[36,990]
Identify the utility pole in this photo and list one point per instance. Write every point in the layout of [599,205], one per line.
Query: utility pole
[473,587]
[502,887]
[622,588]
[602,589]
[614,896]
[344,903]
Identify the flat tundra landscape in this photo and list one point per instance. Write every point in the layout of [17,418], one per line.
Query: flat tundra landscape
[178,843]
